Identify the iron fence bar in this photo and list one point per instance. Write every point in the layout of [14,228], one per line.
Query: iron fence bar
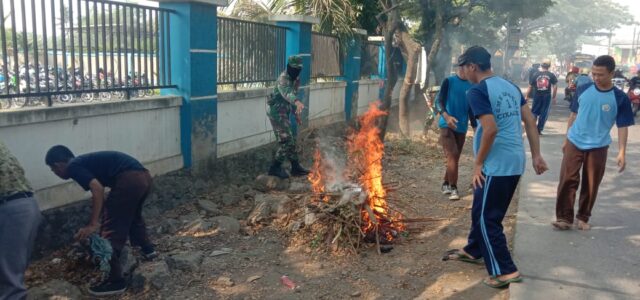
[133,46]
[5,61]
[112,68]
[89,60]
[14,39]
[73,47]
[119,46]
[35,43]
[97,42]
[55,44]
[81,54]
[105,66]
[163,53]
[139,70]
[151,39]
[158,53]
[25,45]
[168,47]
[45,45]
[146,63]
[64,45]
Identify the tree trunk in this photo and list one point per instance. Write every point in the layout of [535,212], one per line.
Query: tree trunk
[392,76]
[437,39]
[411,54]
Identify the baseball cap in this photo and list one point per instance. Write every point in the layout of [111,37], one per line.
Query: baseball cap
[475,55]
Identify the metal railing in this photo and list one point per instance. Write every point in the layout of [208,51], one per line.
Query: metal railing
[249,52]
[326,56]
[81,50]
[369,60]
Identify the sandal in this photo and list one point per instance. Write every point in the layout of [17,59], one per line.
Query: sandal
[561,225]
[457,254]
[501,283]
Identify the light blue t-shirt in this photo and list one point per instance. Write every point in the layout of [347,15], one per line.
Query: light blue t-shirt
[453,93]
[503,99]
[597,111]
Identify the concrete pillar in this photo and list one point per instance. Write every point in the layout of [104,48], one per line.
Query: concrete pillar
[299,43]
[193,51]
[351,73]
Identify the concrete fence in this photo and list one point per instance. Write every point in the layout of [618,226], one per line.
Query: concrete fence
[192,126]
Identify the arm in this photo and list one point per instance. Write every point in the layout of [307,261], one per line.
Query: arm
[97,197]
[623,133]
[539,165]
[489,133]
[555,92]
[528,94]
[287,90]
[443,96]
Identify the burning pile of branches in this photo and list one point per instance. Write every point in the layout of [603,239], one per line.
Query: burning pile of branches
[349,198]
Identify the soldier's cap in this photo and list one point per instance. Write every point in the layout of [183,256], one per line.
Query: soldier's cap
[295,61]
[475,55]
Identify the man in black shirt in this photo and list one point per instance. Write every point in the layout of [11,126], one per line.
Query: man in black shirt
[130,183]
[544,86]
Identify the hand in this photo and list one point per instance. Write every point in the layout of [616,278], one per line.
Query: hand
[299,106]
[621,163]
[539,165]
[452,122]
[478,178]
[85,232]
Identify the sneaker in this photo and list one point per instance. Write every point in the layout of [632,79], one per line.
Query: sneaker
[446,189]
[149,256]
[108,288]
[454,194]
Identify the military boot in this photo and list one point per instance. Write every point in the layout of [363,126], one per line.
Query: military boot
[277,170]
[297,169]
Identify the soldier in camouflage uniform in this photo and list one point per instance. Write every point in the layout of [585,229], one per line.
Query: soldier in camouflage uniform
[283,99]
[19,220]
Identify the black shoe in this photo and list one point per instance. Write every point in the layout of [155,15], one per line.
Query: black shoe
[150,255]
[297,169]
[108,288]
[276,170]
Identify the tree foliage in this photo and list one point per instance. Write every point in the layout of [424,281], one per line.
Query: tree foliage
[560,30]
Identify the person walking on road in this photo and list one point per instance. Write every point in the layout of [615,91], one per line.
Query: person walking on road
[544,85]
[595,109]
[130,185]
[283,99]
[583,78]
[19,220]
[499,162]
[454,118]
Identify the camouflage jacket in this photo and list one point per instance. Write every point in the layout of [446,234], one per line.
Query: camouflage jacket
[12,177]
[286,89]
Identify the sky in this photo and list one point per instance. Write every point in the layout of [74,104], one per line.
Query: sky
[625,33]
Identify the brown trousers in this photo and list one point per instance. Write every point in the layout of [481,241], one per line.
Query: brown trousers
[452,144]
[122,216]
[593,163]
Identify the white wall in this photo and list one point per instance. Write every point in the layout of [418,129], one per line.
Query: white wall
[326,103]
[242,121]
[147,129]
[368,92]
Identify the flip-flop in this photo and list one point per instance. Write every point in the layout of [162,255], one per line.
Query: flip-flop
[501,283]
[561,225]
[460,256]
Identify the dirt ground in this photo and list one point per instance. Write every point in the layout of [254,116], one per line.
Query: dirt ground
[258,257]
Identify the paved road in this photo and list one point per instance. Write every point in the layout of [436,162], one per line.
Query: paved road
[603,263]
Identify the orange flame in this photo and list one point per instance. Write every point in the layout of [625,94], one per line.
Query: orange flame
[318,181]
[366,151]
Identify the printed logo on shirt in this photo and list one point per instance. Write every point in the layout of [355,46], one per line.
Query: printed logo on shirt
[543,82]
[507,103]
[606,107]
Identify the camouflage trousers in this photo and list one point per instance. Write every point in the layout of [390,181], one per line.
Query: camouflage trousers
[279,116]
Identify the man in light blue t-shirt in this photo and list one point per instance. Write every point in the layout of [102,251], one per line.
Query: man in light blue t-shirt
[499,161]
[595,108]
[454,117]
